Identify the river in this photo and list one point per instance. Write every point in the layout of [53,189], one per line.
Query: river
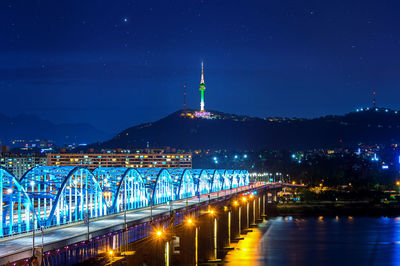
[320,241]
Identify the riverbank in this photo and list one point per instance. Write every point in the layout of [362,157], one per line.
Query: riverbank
[328,208]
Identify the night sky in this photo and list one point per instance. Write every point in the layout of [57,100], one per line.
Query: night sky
[118,63]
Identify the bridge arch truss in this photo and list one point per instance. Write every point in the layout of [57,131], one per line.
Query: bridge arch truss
[57,195]
[63,195]
[123,188]
[17,209]
[159,184]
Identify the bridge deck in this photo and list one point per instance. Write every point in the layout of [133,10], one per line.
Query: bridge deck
[20,246]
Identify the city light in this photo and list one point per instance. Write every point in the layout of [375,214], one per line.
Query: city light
[159,233]
[244,198]
[111,252]
[235,203]
[215,160]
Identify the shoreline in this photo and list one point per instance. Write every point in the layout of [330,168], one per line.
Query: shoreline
[352,208]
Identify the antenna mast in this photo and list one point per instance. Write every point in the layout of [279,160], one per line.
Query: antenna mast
[373,99]
[184,97]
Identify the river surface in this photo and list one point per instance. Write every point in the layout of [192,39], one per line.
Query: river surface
[320,241]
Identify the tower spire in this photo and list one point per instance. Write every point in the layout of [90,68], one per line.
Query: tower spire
[202,74]
[202,88]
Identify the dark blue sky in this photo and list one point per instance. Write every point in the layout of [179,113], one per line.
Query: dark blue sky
[115,64]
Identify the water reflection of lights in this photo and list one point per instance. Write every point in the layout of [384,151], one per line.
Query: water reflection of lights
[288,218]
[247,251]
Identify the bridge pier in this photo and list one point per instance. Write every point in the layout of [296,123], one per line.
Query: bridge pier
[235,228]
[207,238]
[263,205]
[274,196]
[247,214]
[229,227]
[186,252]
[259,214]
[253,213]
[244,216]
[149,251]
[224,229]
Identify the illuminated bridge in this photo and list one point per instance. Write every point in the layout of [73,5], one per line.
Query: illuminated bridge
[50,196]
[67,215]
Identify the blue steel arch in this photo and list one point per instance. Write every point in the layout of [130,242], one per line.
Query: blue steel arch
[12,193]
[228,178]
[226,181]
[159,183]
[48,186]
[213,181]
[235,178]
[217,180]
[244,178]
[183,182]
[203,180]
[123,188]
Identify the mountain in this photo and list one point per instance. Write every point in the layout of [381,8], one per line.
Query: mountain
[28,127]
[232,132]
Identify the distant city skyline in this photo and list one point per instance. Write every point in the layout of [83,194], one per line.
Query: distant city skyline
[116,65]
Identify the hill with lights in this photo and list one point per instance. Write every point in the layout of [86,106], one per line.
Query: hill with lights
[183,130]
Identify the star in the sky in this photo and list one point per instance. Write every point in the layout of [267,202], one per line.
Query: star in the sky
[125,20]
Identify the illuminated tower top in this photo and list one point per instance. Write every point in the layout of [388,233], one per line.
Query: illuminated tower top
[202,113]
[202,88]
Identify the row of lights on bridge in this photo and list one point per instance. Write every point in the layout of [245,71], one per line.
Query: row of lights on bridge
[159,233]
[190,221]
